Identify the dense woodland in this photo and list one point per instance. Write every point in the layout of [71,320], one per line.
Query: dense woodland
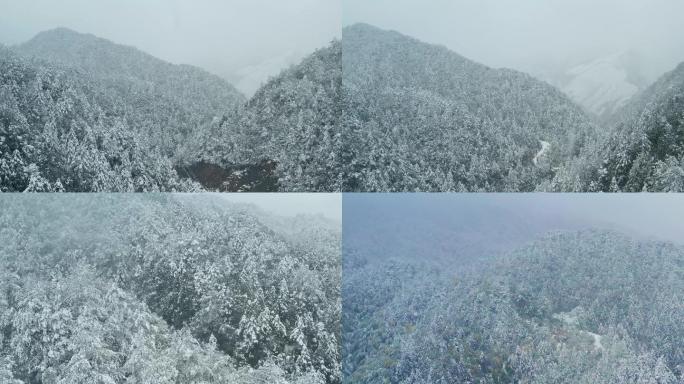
[421,117]
[418,117]
[293,120]
[642,148]
[57,136]
[80,113]
[585,306]
[165,289]
[376,111]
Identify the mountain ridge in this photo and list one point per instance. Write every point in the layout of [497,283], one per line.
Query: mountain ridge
[429,96]
[642,147]
[207,130]
[77,42]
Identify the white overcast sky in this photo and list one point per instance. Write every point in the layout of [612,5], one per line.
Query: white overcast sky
[532,34]
[222,36]
[644,215]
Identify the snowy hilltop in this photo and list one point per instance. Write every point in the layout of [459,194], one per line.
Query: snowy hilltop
[85,114]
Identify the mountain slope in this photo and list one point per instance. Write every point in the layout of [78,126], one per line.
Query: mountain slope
[56,135]
[571,307]
[284,138]
[84,114]
[420,117]
[299,113]
[644,147]
[159,99]
[647,151]
[291,122]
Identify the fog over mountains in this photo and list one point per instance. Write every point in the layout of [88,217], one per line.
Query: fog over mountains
[226,38]
[605,84]
[498,288]
[570,307]
[544,40]
[375,111]
[425,192]
[249,78]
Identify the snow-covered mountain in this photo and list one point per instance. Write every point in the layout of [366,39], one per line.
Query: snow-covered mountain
[604,84]
[249,78]
[421,117]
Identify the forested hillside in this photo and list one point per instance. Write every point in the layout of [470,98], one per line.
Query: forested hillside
[58,134]
[586,306]
[81,113]
[376,111]
[292,121]
[643,149]
[164,101]
[420,117]
[165,289]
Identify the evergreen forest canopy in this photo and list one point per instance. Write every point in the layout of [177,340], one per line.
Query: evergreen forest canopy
[376,111]
[419,117]
[80,113]
[165,288]
[581,306]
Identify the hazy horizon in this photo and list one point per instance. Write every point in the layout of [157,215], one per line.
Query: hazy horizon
[245,42]
[443,226]
[535,37]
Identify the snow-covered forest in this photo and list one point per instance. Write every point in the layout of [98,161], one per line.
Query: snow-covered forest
[81,113]
[376,111]
[579,304]
[165,288]
[419,117]
[641,149]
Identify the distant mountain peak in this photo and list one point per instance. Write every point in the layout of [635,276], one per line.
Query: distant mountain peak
[603,85]
[64,34]
[103,57]
[62,31]
[362,26]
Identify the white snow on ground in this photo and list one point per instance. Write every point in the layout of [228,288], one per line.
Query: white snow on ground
[545,146]
[571,319]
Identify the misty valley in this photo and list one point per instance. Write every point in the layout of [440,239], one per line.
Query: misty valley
[165,288]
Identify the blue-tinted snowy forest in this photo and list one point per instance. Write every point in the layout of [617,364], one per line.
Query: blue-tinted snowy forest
[165,288]
[512,289]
